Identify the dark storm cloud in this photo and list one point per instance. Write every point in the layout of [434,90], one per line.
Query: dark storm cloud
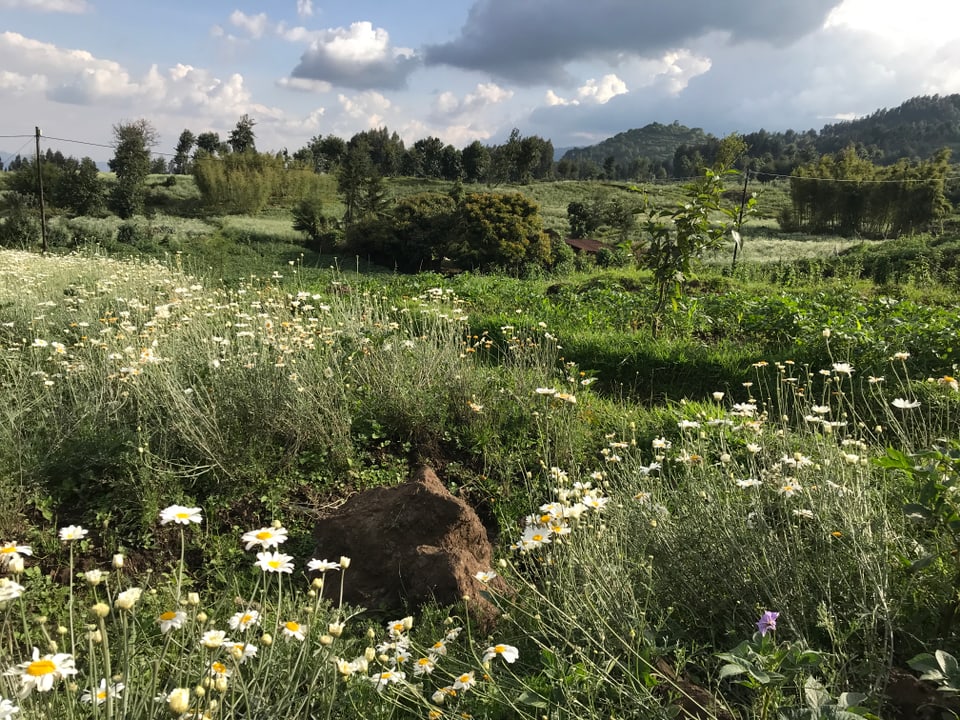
[530,41]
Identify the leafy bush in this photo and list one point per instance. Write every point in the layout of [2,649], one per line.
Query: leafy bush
[21,226]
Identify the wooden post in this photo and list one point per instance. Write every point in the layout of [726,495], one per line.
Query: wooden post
[743,201]
[43,214]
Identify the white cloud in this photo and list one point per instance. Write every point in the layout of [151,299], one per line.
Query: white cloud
[255,25]
[483,96]
[77,77]
[592,92]
[304,8]
[552,99]
[52,6]
[603,90]
[359,57]
[304,85]
[369,106]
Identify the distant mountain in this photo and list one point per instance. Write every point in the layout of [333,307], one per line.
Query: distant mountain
[654,141]
[916,130]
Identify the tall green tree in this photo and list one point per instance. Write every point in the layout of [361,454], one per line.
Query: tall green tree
[208,142]
[181,158]
[79,188]
[359,183]
[131,163]
[242,138]
[476,162]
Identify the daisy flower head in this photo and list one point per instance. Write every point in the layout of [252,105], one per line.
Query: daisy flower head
[10,590]
[171,620]
[382,679]
[902,404]
[128,598]
[293,630]
[843,368]
[274,562]
[13,549]
[181,515]
[7,709]
[465,681]
[213,639]
[41,673]
[72,532]
[100,695]
[424,666]
[240,651]
[322,566]
[244,620]
[790,488]
[266,538]
[219,670]
[508,652]
[485,576]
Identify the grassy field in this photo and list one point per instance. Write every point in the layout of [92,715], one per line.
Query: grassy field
[185,393]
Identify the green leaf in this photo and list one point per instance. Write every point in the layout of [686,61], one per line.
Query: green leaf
[731,669]
[815,693]
[528,697]
[895,460]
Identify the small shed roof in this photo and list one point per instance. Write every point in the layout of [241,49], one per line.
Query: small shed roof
[585,244]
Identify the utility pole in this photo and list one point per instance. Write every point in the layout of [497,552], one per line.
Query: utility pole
[43,214]
[738,240]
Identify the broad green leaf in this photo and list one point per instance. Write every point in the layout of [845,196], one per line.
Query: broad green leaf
[528,697]
[730,669]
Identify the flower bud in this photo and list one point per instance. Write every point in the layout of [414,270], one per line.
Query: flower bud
[344,562]
[326,640]
[266,639]
[118,561]
[101,610]
[15,565]
[179,700]
[193,599]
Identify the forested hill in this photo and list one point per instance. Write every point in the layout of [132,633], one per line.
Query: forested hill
[655,142]
[915,130]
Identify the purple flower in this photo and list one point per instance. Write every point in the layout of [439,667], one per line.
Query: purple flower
[767,622]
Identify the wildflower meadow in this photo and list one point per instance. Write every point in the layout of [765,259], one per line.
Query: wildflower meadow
[779,545]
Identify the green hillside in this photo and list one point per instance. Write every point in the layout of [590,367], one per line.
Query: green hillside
[654,141]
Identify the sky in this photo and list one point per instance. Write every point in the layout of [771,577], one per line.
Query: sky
[572,71]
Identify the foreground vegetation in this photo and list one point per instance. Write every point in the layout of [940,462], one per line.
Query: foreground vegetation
[792,449]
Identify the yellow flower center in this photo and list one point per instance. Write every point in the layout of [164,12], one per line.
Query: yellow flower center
[167,616]
[246,619]
[274,564]
[423,662]
[183,515]
[264,535]
[292,626]
[537,538]
[101,694]
[218,667]
[499,649]
[38,668]
[8,549]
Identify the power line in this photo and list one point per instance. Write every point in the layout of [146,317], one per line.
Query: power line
[16,136]
[764,175]
[100,145]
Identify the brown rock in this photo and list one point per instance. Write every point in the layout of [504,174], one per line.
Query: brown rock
[409,545]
